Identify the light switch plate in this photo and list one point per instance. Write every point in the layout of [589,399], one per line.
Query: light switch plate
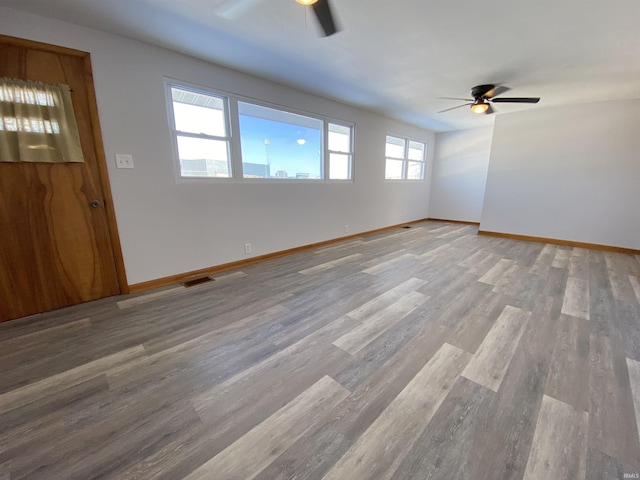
[124,160]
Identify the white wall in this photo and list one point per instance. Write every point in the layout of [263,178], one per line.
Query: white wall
[570,173]
[168,227]
[460,165]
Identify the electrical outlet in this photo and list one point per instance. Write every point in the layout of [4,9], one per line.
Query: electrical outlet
[124,160]
[346,229]
[247,248]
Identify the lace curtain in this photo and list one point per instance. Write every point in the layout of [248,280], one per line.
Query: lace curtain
[37,123]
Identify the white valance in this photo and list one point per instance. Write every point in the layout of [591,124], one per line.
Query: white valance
[37,123]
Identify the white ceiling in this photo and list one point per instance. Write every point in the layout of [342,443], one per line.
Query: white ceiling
[397,56]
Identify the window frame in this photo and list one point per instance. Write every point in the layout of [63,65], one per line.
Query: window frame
[234,147]
[328,151]
[237,99]
[405,159]
[175,133]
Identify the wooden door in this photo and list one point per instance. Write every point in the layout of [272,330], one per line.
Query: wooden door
[55,248]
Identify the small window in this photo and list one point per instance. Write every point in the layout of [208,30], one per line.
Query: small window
[405,159]
[340,148]
[201,133]
[37,123]
[278,144]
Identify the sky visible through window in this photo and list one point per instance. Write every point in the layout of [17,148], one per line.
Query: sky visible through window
[286,150]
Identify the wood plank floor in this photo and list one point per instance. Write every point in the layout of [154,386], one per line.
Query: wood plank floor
[421,353]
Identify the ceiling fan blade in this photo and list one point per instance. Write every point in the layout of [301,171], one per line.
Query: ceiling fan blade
[453,108]
[516,100]
[456,98]
[232,9]
[489,111]
[322,9]
[499,90]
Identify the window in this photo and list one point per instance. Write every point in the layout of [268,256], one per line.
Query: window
[201,133]
[272,143]
[405,159]
[37,123]
[283,145]
[340,148]
[277,144]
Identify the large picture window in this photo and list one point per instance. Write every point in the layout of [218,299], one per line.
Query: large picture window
[405,159]
[277,144]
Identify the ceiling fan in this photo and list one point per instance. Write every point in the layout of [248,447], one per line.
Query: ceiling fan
[321,9]
[484,96]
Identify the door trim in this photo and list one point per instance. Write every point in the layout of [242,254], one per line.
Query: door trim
[98,146]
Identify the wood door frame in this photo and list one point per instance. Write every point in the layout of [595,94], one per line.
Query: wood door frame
[98,146]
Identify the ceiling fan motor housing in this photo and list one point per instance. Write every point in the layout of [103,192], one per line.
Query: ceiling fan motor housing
[481,90]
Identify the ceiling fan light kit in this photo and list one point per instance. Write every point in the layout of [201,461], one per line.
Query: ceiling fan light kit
[479,107]
[483,96]
[306,2]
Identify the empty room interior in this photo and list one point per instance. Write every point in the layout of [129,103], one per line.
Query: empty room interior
[330,239]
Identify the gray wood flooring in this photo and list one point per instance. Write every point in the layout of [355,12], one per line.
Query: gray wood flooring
[421,353]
